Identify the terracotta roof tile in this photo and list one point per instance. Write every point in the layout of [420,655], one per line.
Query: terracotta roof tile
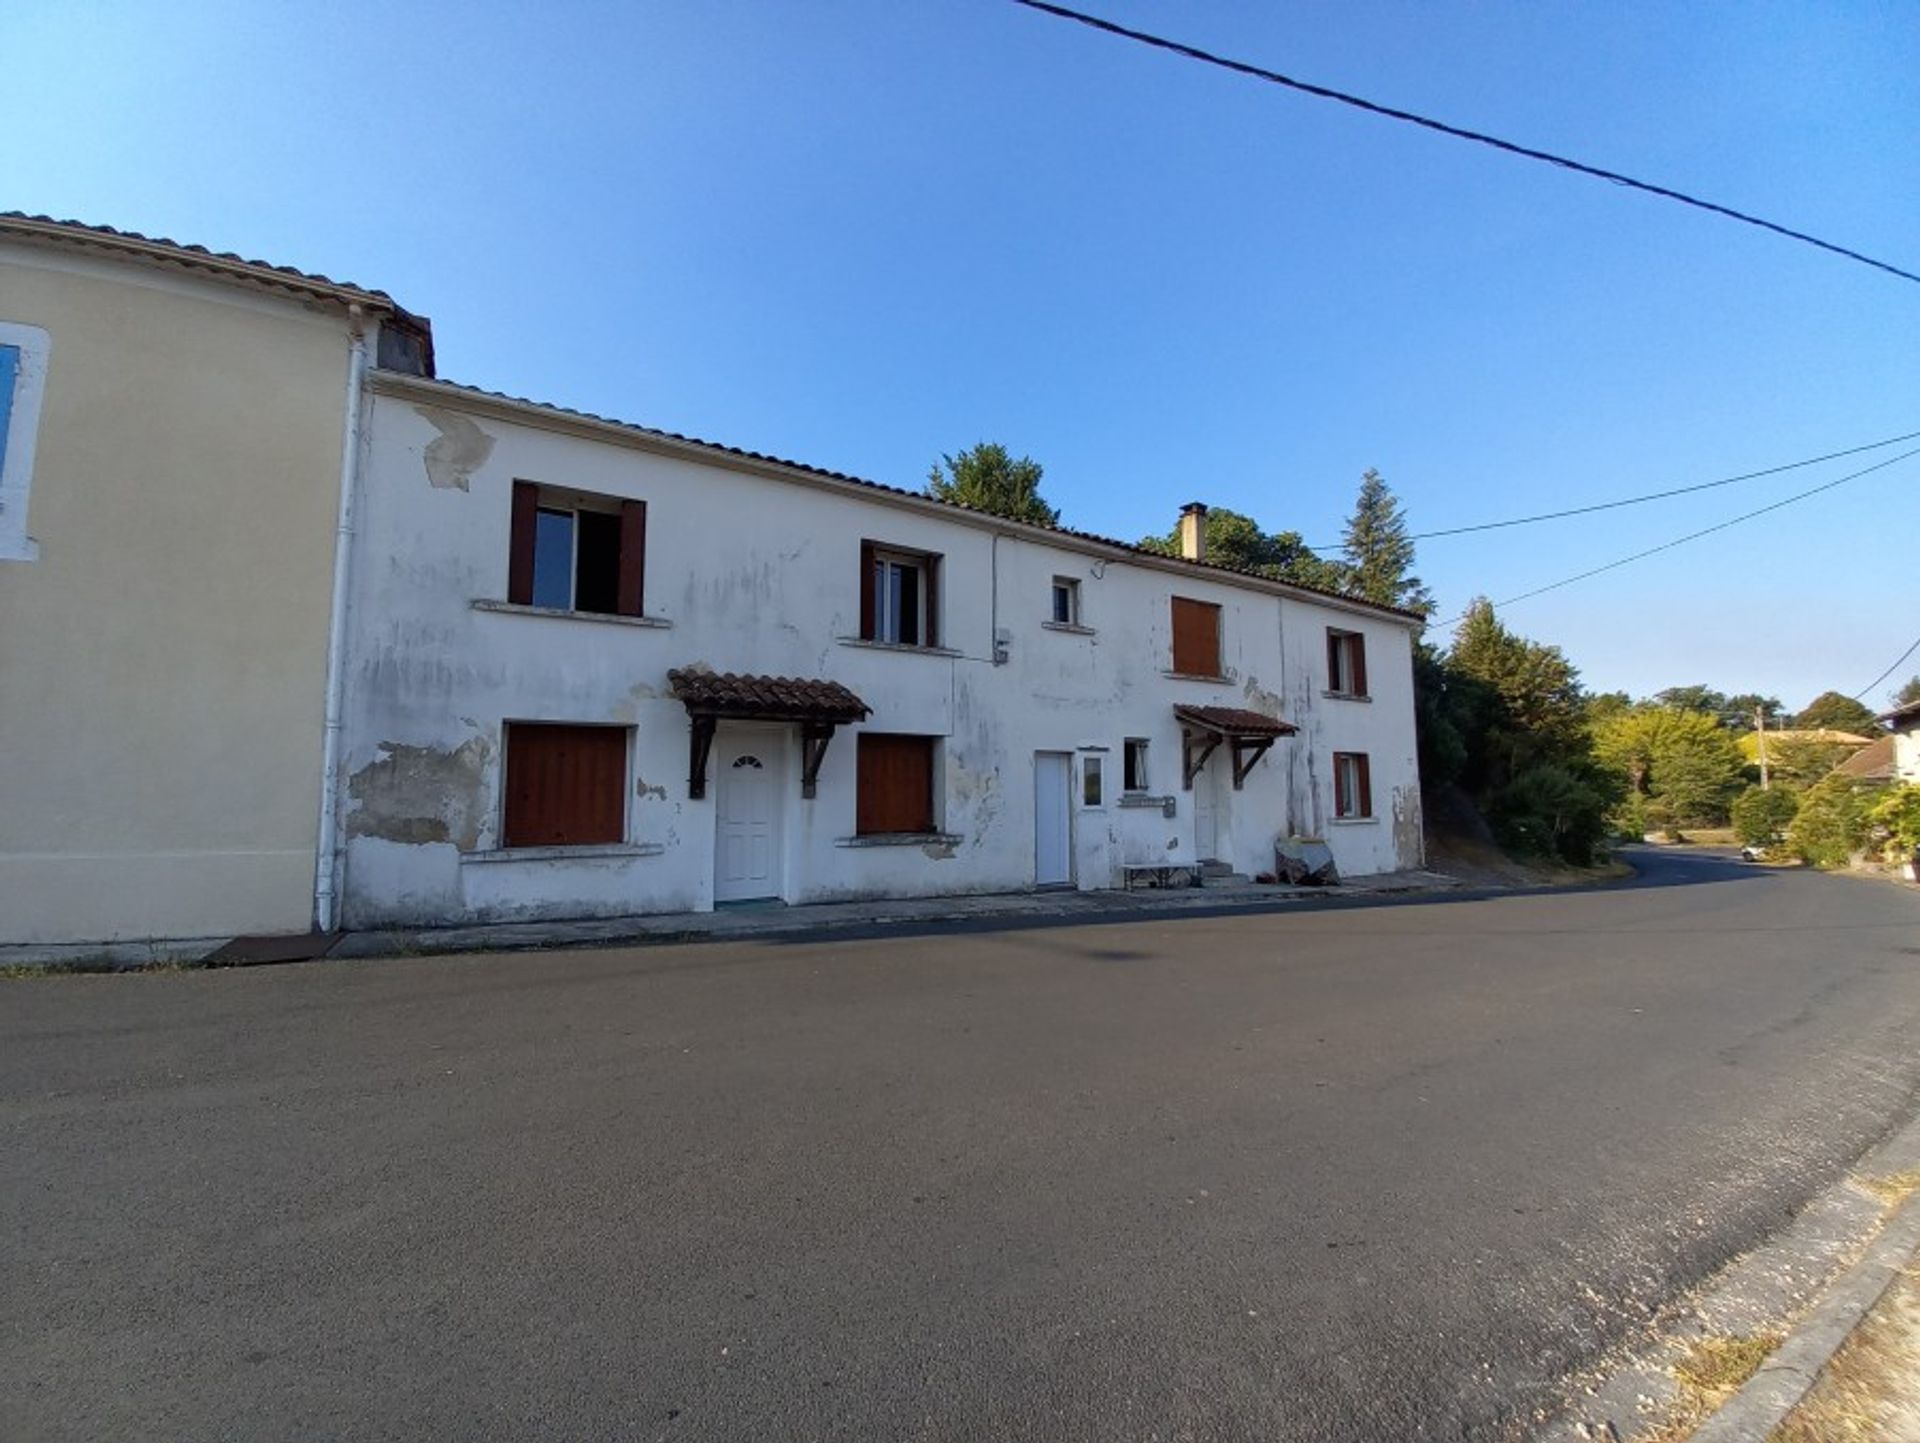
[1873,763]
[1235,721]
[778,698]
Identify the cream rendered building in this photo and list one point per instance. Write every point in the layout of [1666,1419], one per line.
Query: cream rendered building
[175,442]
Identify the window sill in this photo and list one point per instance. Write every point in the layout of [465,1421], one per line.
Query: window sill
[1346,696]
[898,646]
[586,853]
[1072,628]
[1352,821]
[515,608]
[901,839]
[1219,680]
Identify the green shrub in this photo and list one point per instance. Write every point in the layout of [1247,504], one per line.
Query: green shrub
[1760,817]
[1831,824]
[1895,820]
[1630,820]
[1555,810]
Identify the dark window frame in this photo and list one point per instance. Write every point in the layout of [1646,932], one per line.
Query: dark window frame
[616,582]
[1346,662]
[1135,774]
[874,617]
[1348,807]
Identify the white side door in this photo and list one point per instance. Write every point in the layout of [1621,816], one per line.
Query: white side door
[1206,832]
[1052,819]
[748,796]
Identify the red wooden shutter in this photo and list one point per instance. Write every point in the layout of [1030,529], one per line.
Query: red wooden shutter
[1358,655]
[633,556]
[866,590]
[1196,637]
[1341,807]
[1364,775]
[895,784]
[566,785]
[526,507]
[932,626]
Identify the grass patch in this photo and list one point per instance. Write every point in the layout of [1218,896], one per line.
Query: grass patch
[1712,1371]
[1870,1392]
[1892,1189]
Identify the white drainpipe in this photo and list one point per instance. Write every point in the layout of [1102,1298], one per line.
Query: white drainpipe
[326,862]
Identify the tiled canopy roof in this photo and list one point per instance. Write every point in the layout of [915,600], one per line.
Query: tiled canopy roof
[766,698]
[1235,721]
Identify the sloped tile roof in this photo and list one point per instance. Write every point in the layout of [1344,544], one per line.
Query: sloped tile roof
[23,226]
[1235,721]
[778,698]
[1872,763]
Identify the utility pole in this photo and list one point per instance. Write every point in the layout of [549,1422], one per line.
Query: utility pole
[1760,731]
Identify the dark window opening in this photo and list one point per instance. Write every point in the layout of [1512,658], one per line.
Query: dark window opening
[588,558]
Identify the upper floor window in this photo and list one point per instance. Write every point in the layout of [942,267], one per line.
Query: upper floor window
[577,552]
[1346,663]
[23,375]
[899,595]
[1196,637]
[1066,601]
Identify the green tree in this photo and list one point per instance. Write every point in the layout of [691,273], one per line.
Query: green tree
[1909,693]
[1797,762]
[987,478]
[1833,712]
[1693,698]
[1759,817]
[1740,709]
[1684,760]
[1896,818]
[1379,552]
[1538,688]
[1235,539]
[1831,824]
[1604,705]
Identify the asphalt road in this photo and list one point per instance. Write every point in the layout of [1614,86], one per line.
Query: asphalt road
[1373,1173]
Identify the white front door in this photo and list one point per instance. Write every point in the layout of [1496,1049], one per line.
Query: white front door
[748,796]
[1052,819]
[1206,832]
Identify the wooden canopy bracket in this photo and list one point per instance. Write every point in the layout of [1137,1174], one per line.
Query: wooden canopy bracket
[700,743]
[814,737]
[1195,748]
[1246,752]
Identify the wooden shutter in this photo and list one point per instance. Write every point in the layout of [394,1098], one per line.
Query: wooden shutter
[895,784]
[1342,807]
[931,622]
[1357,658]
[867,605]
[1196,637]
[1336,673]
[1363,775]
[633,556]
[526,508]
[566,785]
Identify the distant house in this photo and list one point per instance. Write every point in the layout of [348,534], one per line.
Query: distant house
[1872,763]
[1904,721]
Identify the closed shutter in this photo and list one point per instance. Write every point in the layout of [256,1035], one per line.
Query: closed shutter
[895,784]
[1363,776]
[566,785]
[1196,637]
[1358,653]
[867,582]
[932,637]
[633,556]
[1342,803]
[526,510]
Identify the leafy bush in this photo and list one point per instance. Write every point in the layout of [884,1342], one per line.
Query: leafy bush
[1895,818]
[1630,820]
[1831,824]
[1760,817]
[1553,809]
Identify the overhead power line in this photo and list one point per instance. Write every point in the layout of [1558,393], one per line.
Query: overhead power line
[1704,531]
[1650,496]
[1861,694]
[1274,77]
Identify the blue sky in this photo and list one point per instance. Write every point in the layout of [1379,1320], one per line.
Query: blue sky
[861,233]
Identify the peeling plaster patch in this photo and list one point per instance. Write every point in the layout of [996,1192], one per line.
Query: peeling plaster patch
[1407,848]
[1268,703]
[939,851]
[641,789]
[422,794]
[457,452]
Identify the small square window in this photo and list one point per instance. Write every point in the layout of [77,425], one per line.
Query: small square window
[1346,663]
[1092,782]
[1134,770]
[899,596]
[1352,786]
[573,552]
[1066,601]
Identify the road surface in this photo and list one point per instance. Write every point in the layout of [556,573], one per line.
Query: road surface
[1364,1173]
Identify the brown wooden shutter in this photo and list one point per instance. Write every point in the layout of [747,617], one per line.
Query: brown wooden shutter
[866,590]
[566,785]
[1364,775]
[1196,637]
[1358,655]
[932,627]
[1340,803]
[526,509]
[895,784]
[633,556]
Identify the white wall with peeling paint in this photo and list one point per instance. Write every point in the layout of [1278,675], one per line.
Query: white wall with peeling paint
[759,573]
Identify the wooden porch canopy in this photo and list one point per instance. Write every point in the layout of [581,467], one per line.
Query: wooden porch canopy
[1247,734]
[713,697]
